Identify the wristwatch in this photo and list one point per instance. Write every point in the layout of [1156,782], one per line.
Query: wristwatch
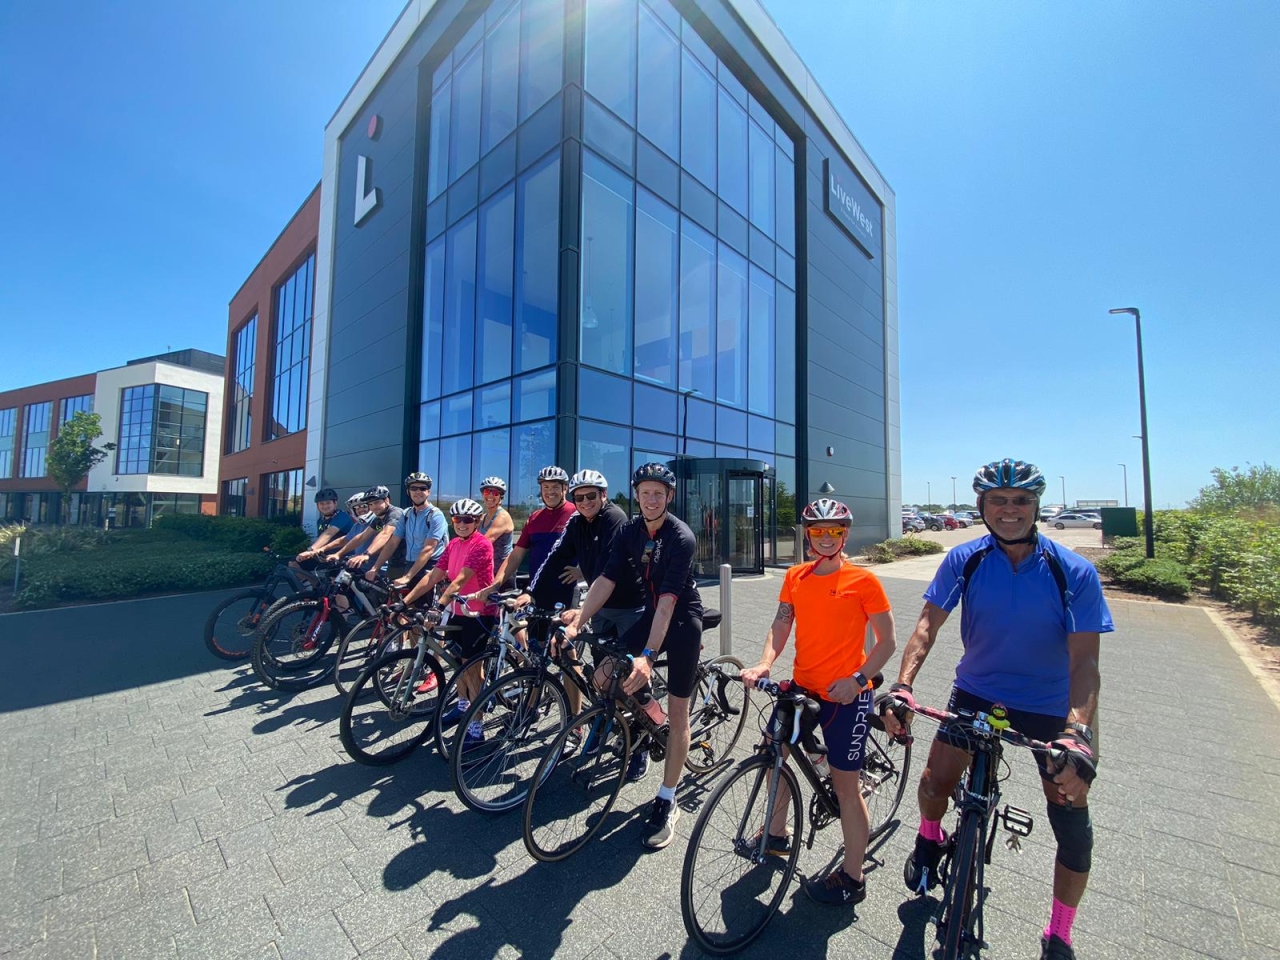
[861,680]
[650,653]
[1085,733]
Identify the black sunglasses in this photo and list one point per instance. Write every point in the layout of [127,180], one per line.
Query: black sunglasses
[586,497]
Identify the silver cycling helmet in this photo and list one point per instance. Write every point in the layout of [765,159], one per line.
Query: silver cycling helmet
[588,478]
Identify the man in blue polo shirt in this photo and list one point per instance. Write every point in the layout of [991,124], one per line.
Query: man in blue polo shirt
[425,533]
[1031,625]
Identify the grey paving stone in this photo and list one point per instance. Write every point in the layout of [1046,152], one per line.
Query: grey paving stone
[1261,924]
[1255,886]
[1190,887]
[1166,848]
[246,843]
[321,938]
[91,903]
[77,819]
[368,920]
[165,841]
[220,892]
[180,870]
[244,930]
[59,945]
[231,818]
[157,793]
[211,774]
[147,930]
[201,802]
[21,922]
[320,892]
[1190,927]
[389,949]
[1251,853]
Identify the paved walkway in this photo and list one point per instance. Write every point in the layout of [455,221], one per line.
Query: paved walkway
[173,809]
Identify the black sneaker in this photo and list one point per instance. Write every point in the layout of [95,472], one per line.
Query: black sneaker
[638,766]
[661,826]
[774,846]
[921,871]
[837,888]
[1053,948]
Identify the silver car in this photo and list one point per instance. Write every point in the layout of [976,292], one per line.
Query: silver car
[1064,520]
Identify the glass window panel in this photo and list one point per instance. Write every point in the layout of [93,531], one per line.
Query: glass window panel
[607,448]
[501,80]
[733,153]
[760,115]
[541,53]
[658,103]
[762,182]
[784,440]
[785,269]
[454,480]
[455,414]
[785,485]
[433,320]
[661,443]
[239,432]
[610,69]
[535,396]
[731,328]
[459,307]
[731,426]
[760,434]
[493,406]
[697,132]
[533,446]
[785,190]
[603,396]
[760,344]
[727,450]
[785,356]
[608,135]
[497,265]
[731,83]
[697,309]
[491,456]
[658,408]
[700,417]
[697,448]
[657,282]
[429,420]
[429,458]
[538,266]
[605,324]
[697,45]
[464,132]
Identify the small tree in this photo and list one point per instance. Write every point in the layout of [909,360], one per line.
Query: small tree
[1258,488]
[72,453]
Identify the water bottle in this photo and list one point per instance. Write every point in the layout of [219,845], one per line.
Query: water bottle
[820,765]
[653,710]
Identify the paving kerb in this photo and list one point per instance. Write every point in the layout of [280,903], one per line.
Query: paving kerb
[109,826]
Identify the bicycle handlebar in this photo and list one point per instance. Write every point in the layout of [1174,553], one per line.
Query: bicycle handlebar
[985,727]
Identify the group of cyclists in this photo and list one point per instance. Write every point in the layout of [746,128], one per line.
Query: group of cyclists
[1031,622]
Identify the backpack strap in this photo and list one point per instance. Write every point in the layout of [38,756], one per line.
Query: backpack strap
[970,565]
[1050,553]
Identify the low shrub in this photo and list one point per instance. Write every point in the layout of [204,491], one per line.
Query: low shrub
[1159,577]
[290,540]
[909,546]
[1115,564]
[237,533]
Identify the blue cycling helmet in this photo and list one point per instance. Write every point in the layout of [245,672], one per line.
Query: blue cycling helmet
[1009,474]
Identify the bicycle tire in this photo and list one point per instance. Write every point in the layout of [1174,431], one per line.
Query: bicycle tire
[559,786]
[961,892]
[444,735]
[713,732]
[722,841]
[384,719]
[235,641]
[358,648]
[521,714]
[886,766]
[292,656]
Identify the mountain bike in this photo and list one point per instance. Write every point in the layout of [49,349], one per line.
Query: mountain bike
[232,624]
[731,884]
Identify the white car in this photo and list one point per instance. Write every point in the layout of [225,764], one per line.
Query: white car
[1064,520]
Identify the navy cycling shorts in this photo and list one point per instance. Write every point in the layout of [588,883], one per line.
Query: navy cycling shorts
[844,731]
[1037,726]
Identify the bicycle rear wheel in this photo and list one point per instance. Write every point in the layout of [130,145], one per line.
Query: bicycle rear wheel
[718,713]
[359,646]
[570,798]
[385,718]
[956,913]
[232,624]
[520,715]
[885,769]
[490,670]
[291,649]
[731,886]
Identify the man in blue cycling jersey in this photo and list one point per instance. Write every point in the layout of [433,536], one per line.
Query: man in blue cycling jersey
[1032,619]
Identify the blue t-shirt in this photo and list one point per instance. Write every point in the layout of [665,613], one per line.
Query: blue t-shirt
[340,521]
[421,526]
[1013,624]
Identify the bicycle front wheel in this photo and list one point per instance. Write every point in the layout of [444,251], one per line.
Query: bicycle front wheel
[359,646]
[519,716]
[956,913]
[570,798]
[732,885]
[485,668]
[718,713]
[290,651]
[388,714]
[229,631]
[884,779]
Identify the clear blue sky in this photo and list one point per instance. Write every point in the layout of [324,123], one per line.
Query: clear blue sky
[1050,161]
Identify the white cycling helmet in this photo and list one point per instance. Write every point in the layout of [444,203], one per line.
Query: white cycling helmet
[553,473]
[466,508]
[588,478]
[493,483]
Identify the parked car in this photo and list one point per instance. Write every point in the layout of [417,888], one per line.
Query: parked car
[933,522]
[1048,513]
[975,516]
[1064,520]
[949,521]
[911,523]
[961,518]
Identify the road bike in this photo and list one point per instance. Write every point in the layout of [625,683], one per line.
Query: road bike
[732,884]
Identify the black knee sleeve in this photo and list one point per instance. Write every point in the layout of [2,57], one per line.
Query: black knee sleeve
[1074,832]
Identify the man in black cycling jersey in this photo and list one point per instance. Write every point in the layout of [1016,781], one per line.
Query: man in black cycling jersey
[658,549]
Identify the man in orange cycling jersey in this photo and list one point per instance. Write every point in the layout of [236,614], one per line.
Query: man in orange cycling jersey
[830,601]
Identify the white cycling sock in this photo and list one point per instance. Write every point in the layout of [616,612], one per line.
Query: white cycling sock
[666,793]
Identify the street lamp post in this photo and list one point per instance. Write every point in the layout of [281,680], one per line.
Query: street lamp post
[928,492]
[953,493]
[1064,490]
[1142,409]
[684,421]
[1126,482]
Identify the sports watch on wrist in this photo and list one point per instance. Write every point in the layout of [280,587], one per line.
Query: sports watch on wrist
[861,680]
[650,653]
[1086,734]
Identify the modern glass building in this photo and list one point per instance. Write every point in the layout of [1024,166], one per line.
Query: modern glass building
[600,232]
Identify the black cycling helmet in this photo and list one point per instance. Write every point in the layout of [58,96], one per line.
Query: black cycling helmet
[654,471]
[377,493]
[553,473]
[826,510]
[1009,474]
[417,478]
[326,493]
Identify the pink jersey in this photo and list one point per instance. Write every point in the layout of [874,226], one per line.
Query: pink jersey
[475,552]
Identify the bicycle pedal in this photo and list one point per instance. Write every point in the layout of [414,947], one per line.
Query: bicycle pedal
[1017,821]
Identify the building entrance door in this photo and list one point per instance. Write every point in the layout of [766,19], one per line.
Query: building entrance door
[722,501]
[745,515]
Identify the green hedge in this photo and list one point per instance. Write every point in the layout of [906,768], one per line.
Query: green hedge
[1159,577]
[894,549]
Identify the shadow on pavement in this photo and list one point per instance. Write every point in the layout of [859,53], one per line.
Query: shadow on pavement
[103,648]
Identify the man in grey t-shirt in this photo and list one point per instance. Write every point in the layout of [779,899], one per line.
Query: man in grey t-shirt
[387,524]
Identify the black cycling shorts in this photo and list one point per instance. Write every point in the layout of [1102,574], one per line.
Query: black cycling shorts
[1038,726]
[474,635]
[682,648]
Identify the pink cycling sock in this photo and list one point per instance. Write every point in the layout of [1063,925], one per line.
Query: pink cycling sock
[1060,922]
[931,830]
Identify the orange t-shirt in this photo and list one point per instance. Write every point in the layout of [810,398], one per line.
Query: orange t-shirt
[831,614]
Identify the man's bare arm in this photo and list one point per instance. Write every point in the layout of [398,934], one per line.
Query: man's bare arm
[932,617]
[1086,680]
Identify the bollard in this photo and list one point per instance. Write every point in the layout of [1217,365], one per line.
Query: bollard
[726,609]
[17,563]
